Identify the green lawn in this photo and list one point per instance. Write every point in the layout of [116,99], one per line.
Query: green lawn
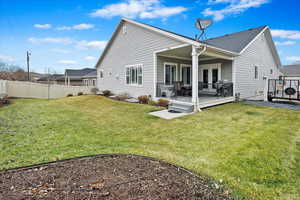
[255,150]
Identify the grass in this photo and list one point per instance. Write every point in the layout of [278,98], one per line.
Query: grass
[255,150]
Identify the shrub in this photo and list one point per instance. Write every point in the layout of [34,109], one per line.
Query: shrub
[163,102]
[143,99]
[69,95]
[107,93]
[80,93]
[123,96]
[152,103]
[4,99]
[94,90]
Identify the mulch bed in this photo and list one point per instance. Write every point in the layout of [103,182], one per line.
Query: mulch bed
[106,177]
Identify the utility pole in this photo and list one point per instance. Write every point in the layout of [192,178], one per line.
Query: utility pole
[28,73]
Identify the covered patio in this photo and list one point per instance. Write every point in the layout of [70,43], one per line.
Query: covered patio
[195,75]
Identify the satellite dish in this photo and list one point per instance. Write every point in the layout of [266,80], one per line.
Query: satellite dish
[202,24]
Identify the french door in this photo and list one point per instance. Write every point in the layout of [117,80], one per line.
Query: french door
[210,74]
[186,74]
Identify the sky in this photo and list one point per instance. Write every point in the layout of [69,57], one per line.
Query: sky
[72,34]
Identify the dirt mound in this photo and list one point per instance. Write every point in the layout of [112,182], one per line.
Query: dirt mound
[106,177]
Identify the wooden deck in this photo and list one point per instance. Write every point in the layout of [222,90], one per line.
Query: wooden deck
[204,101]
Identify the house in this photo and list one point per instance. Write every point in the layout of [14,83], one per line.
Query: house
[141,59]
[58,79]
[290,71]
[90,78]
[79,77]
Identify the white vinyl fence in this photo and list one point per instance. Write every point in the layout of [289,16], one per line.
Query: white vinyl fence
[41,91]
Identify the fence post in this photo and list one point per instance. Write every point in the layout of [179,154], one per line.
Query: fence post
[266,88]
[3,87]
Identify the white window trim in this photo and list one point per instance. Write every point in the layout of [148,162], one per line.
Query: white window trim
[135,65]
[210,67]
[176,71]
[181,78]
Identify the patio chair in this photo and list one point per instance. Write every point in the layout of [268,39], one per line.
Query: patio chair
[167,91]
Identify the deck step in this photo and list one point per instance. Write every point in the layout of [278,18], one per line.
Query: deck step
[182,108]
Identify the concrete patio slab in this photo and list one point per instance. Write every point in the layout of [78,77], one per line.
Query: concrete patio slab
[165,114]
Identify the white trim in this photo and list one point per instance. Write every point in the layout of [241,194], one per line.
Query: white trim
[210,67]
[170,63]
[171,48]
[244,49]
[137,66]
[233,78]
[191,74]
[217,55]
[176,57]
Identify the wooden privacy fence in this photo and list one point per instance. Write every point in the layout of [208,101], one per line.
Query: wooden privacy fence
[41,91]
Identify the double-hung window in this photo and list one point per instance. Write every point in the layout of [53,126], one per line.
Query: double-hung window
[170,73]
[134,74]
[256,72]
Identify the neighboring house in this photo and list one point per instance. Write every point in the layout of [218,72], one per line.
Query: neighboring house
[79,77]
[291,70]
[52,79]
[145,60]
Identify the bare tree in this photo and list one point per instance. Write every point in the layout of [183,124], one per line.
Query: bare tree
[11,72]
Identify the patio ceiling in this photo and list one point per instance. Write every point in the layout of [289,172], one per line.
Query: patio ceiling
[186,51]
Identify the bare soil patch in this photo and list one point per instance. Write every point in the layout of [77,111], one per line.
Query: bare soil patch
[106,177]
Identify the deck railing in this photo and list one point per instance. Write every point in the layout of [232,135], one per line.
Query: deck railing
[222,89]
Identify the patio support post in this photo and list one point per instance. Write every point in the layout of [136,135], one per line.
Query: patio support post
[196,51]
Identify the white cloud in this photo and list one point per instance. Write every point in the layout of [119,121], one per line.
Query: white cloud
[50,40]
[60,51]
[62,28]
[6,58]
[83,44]
[89,58]
[234,7]
[76,27]
[42,26]
[286,34]
[67,62]
[83,26]
[138,9]
[285,43]
[293,58]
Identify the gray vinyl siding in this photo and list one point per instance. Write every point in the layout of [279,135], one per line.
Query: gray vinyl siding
[135,47]
[257,54]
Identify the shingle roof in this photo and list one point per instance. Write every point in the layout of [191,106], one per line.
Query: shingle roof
[90,74]
[53,77]
[235,42]
[291,70]
[78,72]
